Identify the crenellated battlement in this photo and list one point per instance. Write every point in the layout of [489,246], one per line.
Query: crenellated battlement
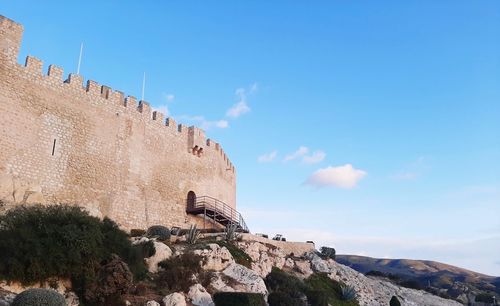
[100,95]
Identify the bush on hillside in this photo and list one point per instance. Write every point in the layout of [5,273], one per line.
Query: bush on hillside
[39,297]
[327,252]
[40,242]
[238,298]
[320,282]
[394,301]
[159,231]
[317,297]
[279,298]
[348,293]
[178,272]
[280,281]
[113,280]
[484,298]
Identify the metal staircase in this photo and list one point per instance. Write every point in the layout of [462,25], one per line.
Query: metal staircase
[217,211]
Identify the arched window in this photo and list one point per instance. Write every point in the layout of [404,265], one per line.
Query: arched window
[191,199]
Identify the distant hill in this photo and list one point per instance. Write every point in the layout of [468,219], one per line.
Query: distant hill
[442,278]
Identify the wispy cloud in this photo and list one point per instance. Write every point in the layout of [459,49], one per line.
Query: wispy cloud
[268,157]
[301,151]
[163,108]
[316,157]
[241,107]
[168,97]
[345,177]
[302,154]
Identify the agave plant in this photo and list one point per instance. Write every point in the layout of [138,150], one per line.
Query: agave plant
[193,235]
[231,232]
[348,293]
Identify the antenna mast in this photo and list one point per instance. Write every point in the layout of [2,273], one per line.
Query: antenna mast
[80,59]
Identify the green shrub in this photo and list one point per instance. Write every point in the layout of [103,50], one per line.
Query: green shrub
[113,280]
[484,298]
[39,297]
[394,301]
[279,298]
[238,298]
[317,297]
[331,288]
[231,232]
[281,281]
[239,256]
[40,242]
[348,293]
[160,231]
[327,252]
[177,273]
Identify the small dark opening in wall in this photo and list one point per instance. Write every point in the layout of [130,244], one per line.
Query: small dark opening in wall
[54,147]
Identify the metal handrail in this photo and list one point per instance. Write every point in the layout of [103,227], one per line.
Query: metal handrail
[220,208]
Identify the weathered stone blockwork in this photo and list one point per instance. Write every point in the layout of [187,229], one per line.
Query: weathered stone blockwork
[63,142]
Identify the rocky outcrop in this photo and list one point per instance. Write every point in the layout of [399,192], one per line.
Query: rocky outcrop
[174,299]
[264,257]
[199,296]
[246,280]
[215,258]
[375,292]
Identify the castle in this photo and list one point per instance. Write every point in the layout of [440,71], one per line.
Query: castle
[66,143]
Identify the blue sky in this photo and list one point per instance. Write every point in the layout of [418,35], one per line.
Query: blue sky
[371,126]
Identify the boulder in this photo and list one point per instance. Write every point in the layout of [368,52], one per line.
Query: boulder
[264,256]
[153,303]
[219,285]
[199,296]
[303,267]
[248,279]
[174,299]
[162,252]
[216,258]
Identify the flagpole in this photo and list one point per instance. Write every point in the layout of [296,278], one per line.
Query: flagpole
[80,59]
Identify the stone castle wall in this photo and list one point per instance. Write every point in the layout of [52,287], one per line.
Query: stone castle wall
[63,142]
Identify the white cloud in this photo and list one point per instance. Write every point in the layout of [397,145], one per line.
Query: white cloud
[241,107]
[301,151]
[316,157]
[342,177]
[238,109]
[169,97]
[162,109]
[268,157]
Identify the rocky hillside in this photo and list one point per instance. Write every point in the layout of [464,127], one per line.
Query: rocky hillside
[230,272]
[453,281]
